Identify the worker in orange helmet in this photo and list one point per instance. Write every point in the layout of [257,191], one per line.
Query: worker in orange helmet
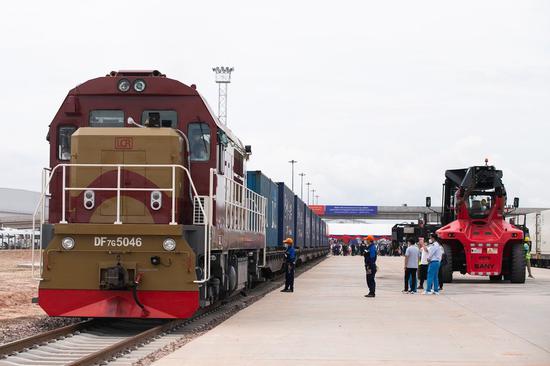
[370,265]
[290,263]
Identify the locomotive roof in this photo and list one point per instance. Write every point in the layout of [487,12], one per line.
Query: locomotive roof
[157,84]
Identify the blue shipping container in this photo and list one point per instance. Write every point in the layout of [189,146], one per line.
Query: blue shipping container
[261,184]
[286,213]
[314,231]
[298,222]
[307,227]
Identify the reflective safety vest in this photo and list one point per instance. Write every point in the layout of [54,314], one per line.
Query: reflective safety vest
[527,251]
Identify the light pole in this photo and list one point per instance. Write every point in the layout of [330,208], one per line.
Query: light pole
[302,185]
[223,78]
[313,196]
[308,184]
[317,199]
[292,162]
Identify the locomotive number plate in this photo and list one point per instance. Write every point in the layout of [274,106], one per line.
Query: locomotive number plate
[121,241]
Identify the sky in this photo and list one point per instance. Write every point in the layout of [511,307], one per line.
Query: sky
[375,100]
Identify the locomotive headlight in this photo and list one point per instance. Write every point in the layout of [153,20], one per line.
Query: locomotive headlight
[169,244]
[124,85]
[67,243]
[139,85]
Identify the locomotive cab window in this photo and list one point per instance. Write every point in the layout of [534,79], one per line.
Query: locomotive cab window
[199,141]
[106,118]
[64,142]
[159,118]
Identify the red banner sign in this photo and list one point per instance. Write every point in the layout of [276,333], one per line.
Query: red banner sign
[319,210]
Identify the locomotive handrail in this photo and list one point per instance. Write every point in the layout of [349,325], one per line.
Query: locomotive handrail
[48,174]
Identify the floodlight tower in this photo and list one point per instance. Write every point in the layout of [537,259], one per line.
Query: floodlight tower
[223,78]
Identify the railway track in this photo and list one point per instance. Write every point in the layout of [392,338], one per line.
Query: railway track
[122,342]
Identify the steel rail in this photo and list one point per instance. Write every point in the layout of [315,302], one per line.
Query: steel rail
[107,353]
[22,344]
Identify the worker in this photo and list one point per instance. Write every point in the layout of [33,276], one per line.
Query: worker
[370,265]
[527,250]
[410,266]
[423,266]
[435,252]
[363,246]
[290,263]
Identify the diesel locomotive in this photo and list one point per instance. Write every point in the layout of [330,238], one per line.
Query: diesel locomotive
[150,210]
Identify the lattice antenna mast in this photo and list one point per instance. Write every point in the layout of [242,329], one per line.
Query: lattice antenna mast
[223,78]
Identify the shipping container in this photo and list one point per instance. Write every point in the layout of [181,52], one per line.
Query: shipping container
[538,225]
[261,184]
[318,231]
[285,213]
[323,233]
[315,231]
[307,226]
[531,222]
[299,222]
[544,228]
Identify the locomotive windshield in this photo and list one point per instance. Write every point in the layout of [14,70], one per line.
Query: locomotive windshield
[199,141]
[106,118]
[165,118]
[479,205]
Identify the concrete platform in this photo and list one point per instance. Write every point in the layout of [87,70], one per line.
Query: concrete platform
[327,321]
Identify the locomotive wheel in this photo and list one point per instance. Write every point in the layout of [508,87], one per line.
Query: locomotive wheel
[447,269]
[517,264]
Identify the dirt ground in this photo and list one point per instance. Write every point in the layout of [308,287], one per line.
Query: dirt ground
[19,317]
[16,286]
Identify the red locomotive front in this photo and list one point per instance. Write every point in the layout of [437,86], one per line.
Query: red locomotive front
[148,214]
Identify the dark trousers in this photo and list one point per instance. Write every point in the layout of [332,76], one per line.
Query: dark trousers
[440,277]
[422,273]
[289,282]
[410,275]
[371,283]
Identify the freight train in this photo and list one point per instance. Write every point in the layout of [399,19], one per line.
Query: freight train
[151,212]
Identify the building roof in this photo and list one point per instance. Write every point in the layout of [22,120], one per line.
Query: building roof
[15,202]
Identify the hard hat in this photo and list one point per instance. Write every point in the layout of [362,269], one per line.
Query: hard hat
[526,239]
[288,241]
[370,238]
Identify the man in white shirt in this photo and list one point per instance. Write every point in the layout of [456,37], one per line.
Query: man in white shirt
[423,267]
[411,266]
[435,252]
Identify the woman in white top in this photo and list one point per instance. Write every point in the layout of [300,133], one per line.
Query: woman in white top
[423,267]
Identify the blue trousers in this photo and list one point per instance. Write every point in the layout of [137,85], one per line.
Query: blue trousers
[433,280]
